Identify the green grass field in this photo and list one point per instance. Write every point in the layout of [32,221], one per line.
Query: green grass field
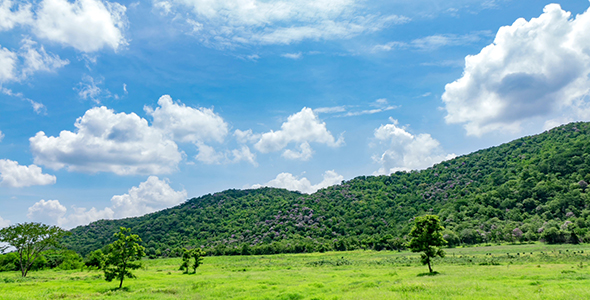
[494,272]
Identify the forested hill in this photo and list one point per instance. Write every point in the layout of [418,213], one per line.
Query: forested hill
[529,189]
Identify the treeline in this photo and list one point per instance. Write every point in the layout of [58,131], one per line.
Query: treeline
[531,189]
[50,259]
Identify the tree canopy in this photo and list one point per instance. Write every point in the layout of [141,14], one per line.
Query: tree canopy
[30,240]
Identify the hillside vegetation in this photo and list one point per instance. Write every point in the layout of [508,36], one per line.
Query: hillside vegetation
[530,189]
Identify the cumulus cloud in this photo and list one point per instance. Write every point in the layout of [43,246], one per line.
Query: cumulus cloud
[187,124]
[105,141]
[305,152]
[405,151]
[15,175]
[86,25]
[246,136]
[199,126]
[13,13]
[534,71]
[48,212]
[300,128]
[229,22]
[210,156]
[292,183]
[4,223]
[150,196]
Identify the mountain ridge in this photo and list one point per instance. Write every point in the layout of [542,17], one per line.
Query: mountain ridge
[524,190]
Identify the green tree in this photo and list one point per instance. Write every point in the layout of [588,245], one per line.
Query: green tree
[95,259]
[427,238]
[30,239]
[186,257]
[197,254]
[123,256]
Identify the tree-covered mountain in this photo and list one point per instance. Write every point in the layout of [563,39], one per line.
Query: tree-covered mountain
[529,189]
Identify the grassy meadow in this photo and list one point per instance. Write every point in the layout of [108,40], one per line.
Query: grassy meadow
[534,271]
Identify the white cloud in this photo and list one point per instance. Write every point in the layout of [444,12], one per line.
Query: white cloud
[246,136]
[228,22]
[14,13]
[83,216]
[329,110]
[38,59]
[434,42]
[210,156]
[305,152]
[88,89]
[534,71]
[15,175]
[38,107]
[4,223]
[405,151]
[48,212]
[105,141]
[380,105]
[292,183]
[1,136]
[244,154]
[150,196]
[87,25]
[29,59]
[301,128]
[8,64]
[295,56]
[187,124]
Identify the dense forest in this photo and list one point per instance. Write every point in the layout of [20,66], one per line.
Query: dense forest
[530,189]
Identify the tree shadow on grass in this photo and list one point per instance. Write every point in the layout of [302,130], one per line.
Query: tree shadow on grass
[115,290]
[428,274]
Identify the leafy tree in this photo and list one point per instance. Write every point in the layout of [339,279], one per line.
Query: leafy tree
[30,240]
[427,238]
[95,259]
[123,256]
[196,254]
[186,257]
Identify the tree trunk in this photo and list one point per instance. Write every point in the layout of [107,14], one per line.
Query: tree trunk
[429,267]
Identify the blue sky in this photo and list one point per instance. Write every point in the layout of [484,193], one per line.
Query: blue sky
[117,109]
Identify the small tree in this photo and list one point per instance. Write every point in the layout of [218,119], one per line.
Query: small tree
[123,256]
[186,257]
[196,254]
[30,239]
[427,238]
